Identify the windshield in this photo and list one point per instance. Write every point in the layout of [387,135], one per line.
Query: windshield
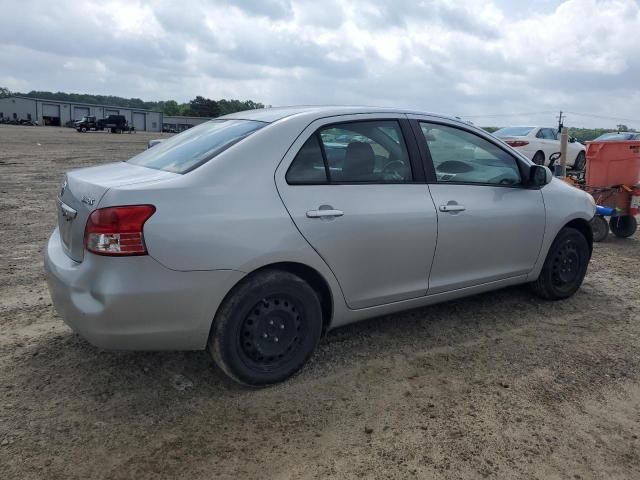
[513,132]
[191,148]
[617,136]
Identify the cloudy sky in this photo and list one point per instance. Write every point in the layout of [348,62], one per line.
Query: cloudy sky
[494,62]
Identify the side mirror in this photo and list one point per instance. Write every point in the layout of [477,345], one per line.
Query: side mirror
[154,142]
[539,175]
[573,139]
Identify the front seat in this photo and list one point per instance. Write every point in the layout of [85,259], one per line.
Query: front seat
[359,162]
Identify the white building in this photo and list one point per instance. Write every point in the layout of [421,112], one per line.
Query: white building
[58,113]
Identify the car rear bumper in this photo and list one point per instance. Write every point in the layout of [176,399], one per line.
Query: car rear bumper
[134,303]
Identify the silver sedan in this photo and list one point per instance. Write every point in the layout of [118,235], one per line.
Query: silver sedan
[254,233]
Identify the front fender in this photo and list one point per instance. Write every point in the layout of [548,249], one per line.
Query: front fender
[563,204]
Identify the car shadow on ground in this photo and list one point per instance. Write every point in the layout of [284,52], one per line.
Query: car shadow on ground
[68,365]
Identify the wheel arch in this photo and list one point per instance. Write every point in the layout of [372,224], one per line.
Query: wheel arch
[583,227]
[309,274]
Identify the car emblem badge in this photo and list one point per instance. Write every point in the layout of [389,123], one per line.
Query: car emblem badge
[88,200]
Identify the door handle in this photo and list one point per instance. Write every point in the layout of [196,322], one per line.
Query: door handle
[452,208]
[324,213]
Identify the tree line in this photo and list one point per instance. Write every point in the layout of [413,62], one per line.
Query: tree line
[197,107]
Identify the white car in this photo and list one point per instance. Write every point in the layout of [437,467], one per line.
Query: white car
[539,143]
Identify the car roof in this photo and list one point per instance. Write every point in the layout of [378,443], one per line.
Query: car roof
[277,113]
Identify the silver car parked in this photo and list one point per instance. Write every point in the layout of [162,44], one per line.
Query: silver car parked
[253,233]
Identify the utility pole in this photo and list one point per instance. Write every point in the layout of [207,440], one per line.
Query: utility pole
[560,122]
[564,142]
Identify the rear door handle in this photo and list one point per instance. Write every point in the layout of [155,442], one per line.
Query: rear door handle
[324,213]
[452,208]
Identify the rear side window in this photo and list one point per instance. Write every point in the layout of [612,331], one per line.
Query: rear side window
[546,133]
[354,152]
[190,149]
[462,157]
[308,167]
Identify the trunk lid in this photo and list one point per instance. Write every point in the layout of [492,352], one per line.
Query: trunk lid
[81,192]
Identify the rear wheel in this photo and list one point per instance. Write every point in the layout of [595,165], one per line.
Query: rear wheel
[623,226]
[600,228]
[565,266]
[580,162]
[538,158]
[266,329]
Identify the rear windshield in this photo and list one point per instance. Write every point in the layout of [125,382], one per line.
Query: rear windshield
[513,132]
[617,136]
[191,148]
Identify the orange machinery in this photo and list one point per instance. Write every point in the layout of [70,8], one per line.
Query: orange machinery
[613,179]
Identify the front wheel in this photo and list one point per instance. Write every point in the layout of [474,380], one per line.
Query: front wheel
[266,329]
[565,266]
[623,226]
[580,162]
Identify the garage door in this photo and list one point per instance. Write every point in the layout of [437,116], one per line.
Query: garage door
[139,121]
[108,112]
[79,112]
[50,110]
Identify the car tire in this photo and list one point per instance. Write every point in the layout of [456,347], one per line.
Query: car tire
[266,329]
[538,158]
[623,226]
[599,228]
[83,129]
[580,162]
[565,266]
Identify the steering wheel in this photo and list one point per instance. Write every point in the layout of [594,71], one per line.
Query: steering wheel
[394,167]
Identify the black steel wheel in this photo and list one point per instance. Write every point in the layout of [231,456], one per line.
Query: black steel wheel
[580,162]
[600,228]
[266,328]
[623,226]
[272,330]
[565,266]
[538,158]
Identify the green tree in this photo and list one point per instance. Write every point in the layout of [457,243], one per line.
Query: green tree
[198,107]
[203,107]
[170,107]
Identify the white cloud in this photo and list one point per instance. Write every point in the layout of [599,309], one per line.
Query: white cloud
[463,57]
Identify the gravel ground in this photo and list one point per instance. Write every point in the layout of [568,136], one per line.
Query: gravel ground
[500,385]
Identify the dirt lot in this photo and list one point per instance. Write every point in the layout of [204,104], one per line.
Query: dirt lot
[500,385]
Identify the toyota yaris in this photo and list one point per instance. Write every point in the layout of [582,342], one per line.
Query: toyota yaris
[253,233]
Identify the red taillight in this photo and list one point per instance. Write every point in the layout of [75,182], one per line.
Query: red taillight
[516,143]
[117,230]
